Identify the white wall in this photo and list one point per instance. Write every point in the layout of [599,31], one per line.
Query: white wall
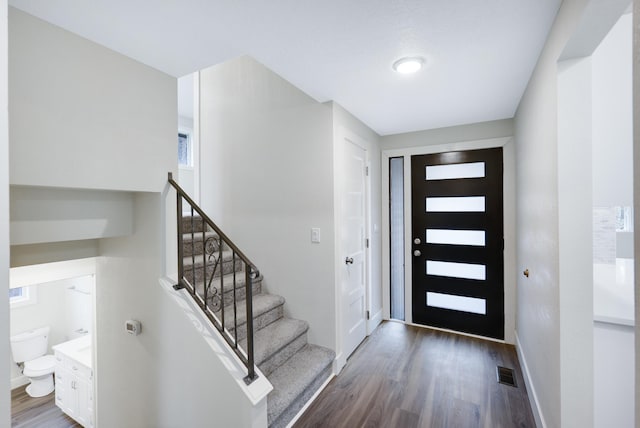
[83,116]
[147,380]
[575,223]
[24,255]
[51,215]
[551,308]
[267,179]
[5,401]
[612,144]
[470,132]
[612,118]
[467,137]
[63,310]
[636,190]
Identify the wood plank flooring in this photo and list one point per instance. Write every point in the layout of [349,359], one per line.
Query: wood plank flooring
[29,412]
[405,376]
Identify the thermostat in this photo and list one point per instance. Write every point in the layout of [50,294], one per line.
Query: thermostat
[133,327]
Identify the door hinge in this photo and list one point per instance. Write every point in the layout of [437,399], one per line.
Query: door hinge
[366,171]
[367,314]
[367,242]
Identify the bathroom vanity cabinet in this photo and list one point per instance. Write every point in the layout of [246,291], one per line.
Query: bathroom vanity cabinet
[74,380]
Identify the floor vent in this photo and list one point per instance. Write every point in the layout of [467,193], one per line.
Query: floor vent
[506,376]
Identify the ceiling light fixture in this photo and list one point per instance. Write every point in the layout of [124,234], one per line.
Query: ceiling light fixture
[408,65]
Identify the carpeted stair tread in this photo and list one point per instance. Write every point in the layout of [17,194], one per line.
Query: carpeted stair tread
[291,380]
[262,303]
[227,281]
[276,336]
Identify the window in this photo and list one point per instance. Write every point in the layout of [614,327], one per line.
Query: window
[22,296]
[624,219]
[185,152]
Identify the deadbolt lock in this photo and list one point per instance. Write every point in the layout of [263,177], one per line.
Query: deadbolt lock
[417,241]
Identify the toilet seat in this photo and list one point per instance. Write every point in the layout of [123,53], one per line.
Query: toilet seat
[41,366]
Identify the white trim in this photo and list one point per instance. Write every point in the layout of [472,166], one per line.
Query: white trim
[258,390]
[340,135]
[310,401]
[531,391]
[407,153]
[374,321]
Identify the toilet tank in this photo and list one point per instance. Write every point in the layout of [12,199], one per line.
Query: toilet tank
[30,344]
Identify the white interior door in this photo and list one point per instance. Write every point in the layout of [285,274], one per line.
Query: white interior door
[353,245]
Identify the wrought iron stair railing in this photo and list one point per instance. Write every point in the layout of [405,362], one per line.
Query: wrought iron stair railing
[213,260]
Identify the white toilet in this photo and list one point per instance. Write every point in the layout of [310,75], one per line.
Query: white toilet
[30,348]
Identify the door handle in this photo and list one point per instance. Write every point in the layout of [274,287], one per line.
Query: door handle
[417,253]
[348,260]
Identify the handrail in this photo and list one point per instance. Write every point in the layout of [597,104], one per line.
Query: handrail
[216,296]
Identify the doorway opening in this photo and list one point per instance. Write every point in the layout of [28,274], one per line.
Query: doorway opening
[457,241]
[188,135]
[53,304]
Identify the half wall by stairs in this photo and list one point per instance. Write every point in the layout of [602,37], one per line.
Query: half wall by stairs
[294,367]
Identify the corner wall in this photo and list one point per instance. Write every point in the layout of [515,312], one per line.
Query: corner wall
[267,179]
[538,301]
[147,380]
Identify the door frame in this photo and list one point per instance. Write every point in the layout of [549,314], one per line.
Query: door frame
[340,135]
[509,174]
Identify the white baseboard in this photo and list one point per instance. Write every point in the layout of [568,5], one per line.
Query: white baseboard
[374,321]
[19,381]
[338,364]
[531,391]
[309,402]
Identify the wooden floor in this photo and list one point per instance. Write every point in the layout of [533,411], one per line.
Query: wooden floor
[404,376]
[37,412]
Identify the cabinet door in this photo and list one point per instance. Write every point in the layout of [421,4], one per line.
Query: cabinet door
[81,387]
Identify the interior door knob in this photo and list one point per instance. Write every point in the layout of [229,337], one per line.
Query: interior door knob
[348,260]
[417,253]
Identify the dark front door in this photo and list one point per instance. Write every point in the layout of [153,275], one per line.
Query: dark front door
[457,241]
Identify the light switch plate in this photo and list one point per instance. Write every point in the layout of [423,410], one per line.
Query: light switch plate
[315,235]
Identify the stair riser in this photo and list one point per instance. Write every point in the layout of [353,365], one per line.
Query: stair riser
[276,360]
[188,249]
[285,417]
[241,292]
[259,322]
[188,226]
[227,268]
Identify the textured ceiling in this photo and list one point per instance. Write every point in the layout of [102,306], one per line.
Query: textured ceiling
[480,54]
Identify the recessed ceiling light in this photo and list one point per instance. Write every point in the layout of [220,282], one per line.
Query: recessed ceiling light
[408,65]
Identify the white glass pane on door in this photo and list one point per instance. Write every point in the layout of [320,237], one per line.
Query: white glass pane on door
[454,171]
[456,237]
[456,204]
[457,303]
[457,270]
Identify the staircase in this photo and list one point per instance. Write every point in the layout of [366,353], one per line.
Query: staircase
[295,368]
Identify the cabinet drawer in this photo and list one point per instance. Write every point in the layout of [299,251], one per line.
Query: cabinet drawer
[80,370]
